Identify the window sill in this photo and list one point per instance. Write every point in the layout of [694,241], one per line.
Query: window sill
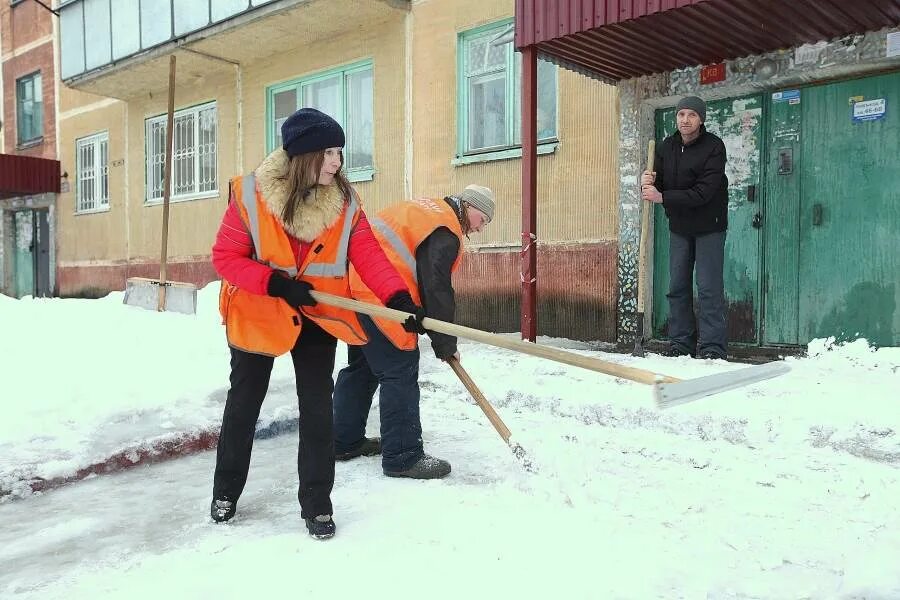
[30,143]
[468,159]
[360,175]
[92,211]
[202,196]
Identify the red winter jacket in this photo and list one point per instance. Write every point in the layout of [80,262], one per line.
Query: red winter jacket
[232,251]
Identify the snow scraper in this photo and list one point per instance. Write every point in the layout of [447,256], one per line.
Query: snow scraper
[669,391]
[160,294]
[490,413]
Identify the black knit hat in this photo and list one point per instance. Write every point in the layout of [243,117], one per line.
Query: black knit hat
[695,104]
[309,130]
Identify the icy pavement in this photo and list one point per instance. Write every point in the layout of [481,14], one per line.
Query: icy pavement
[620,507]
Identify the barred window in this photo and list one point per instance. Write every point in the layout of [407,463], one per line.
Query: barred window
[92,166]
[194,171]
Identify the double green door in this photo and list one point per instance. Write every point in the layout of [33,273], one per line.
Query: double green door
[813,244]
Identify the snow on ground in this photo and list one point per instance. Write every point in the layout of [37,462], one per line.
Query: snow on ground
[785,489]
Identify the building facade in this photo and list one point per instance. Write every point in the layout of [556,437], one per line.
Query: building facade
[801,93]
[29,172]
[427,91]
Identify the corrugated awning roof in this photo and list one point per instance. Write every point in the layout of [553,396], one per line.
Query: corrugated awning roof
[620,39]
[26,175]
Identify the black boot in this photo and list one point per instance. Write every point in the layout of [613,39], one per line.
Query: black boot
[427,467]
[222,510]
[369,447]
[322,527]
[676,350]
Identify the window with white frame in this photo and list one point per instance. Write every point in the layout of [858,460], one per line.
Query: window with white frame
[92,164]
[489,94]
[344,93]
[194,171]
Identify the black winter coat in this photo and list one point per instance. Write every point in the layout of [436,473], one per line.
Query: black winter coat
[693,183]
[434,262]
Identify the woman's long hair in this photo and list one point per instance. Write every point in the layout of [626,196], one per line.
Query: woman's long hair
[302,177]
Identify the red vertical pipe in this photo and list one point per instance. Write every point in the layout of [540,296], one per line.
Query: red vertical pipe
[529,193]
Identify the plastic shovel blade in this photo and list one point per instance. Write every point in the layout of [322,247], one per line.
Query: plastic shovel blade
[672,394]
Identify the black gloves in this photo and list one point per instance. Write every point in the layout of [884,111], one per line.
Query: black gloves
[403,301]
[294,291]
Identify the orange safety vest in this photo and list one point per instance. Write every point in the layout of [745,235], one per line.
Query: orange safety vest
[399,230]
[268,325]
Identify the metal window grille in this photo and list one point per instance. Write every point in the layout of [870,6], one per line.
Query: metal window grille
[92,166]
[194,158]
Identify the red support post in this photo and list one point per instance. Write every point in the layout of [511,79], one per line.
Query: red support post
[529,193]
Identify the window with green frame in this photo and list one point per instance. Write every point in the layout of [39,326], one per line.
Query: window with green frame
[489,92]
[346,94]
[29,108]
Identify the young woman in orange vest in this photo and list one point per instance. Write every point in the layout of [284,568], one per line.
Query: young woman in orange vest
[423,240]
[293,225]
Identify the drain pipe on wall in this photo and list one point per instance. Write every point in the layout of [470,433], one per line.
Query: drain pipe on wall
[407,111]
[238,100]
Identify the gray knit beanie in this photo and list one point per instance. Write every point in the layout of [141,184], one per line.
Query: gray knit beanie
[695,104]
[480,197]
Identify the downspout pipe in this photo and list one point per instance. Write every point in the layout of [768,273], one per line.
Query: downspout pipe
[529,193]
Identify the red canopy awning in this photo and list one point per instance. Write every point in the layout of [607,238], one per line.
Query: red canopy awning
[621,39]
[26,175]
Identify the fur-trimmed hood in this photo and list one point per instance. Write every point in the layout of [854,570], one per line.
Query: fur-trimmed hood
[314,214]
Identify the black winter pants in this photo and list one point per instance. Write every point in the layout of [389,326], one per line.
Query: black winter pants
[313,357]
[706,254]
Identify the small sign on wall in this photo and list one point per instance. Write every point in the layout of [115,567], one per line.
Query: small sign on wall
[712,73]
[789,96]
[869,110]
[893,44]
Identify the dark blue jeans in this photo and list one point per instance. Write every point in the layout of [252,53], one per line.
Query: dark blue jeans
[397,372]
[706,253]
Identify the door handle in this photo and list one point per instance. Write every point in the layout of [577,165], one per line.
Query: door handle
[757,221]
[751,193]
[817,214]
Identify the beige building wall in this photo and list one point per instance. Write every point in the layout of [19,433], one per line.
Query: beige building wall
[382,43]
[577,185]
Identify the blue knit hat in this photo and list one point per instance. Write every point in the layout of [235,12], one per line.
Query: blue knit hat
[310,130]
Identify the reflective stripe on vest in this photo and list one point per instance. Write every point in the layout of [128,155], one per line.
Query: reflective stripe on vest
[399,247]
[339,267]
[336,269]
[248,186]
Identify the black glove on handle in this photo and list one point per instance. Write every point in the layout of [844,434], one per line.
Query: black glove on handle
[294,291]
[403,301]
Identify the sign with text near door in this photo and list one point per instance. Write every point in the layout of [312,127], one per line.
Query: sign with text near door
[868,110]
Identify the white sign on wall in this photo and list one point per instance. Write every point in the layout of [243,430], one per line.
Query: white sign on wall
[893,44]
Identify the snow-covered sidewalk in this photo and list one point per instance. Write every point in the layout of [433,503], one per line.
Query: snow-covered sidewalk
[784,489]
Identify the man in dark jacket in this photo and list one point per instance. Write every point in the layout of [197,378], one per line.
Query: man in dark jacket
[423,240]
[690,183]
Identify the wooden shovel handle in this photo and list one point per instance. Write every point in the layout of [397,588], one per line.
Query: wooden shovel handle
[489,411]
[646,213]
[500,341]
[167,182]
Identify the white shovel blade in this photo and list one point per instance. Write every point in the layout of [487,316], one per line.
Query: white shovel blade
[673,394]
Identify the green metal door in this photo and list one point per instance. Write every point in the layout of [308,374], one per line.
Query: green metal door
[849,255]
[23,253]
[738,121]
